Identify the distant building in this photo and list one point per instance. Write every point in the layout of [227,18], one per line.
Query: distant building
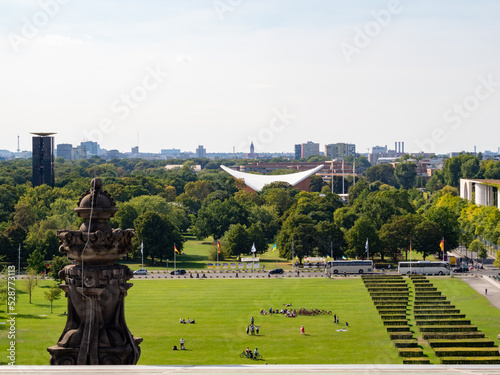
[111,154]
[309,149]
[171,152]
[298,152]
[79,152]
[340,150]
[251,154]
[92,148]
[43,159]
[64,151]
[135,151]
[201,152]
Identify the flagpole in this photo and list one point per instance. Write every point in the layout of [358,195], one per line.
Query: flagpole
[292,252]
[217,263]
[175,259]
[142,255]
[19,261]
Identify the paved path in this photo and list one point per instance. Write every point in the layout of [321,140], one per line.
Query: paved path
[480,284]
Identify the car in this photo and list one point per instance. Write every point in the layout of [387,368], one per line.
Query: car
[461,269]
[141,271]
[178,272]
[276,271]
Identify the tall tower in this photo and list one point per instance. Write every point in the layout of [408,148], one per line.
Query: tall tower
[252,149]
[43,159]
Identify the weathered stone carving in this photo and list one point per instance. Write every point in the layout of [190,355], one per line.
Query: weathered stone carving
[96,332]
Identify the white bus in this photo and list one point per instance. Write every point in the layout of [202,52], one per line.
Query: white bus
[334,267]
[424,268]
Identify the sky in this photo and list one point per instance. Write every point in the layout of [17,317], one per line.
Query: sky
[223,73]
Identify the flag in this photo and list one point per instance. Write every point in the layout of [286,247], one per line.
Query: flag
[441,245]
[175,249]
[328,257]
[253,248]
[366,245]
[343,257]
[142,247]
[218,247]
[274,247]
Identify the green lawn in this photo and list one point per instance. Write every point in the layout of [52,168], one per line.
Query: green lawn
[222,309]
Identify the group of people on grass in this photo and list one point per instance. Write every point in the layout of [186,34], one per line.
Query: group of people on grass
[188,321]
[289,313]
[251,354]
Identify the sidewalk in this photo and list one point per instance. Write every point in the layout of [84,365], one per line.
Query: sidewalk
[480,284]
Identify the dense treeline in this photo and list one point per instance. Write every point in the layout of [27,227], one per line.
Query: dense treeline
[164,205]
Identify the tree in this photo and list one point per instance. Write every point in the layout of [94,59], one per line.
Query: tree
[30,282]
[36,262]
[158,235]
[447,222]
[496,263]
[215,218]
[396,235]
[57,264]
[406,174]
[237,240]
[299,232]
[356,237]
[54,293]
[383,173]
[478,247]
[316,183]
[330,237]
[427,238]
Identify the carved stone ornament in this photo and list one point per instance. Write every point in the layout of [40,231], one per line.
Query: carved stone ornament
[96,332]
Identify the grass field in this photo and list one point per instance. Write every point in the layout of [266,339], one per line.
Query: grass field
[222,309]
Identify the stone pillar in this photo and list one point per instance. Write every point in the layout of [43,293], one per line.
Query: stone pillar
[96,332]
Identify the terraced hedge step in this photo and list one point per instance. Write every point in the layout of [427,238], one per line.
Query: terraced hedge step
[448,328]
[425,289]
[401,322]
[410,352]
[466,352]
[398,328]
[429,293]
[452,335]
[390,299]
[429,298]
[400,335]
[401,312]
[388,294]
[440,322]
[434,315]
[412,343]
[416,361]
[393,317]
[390,303]
[469,360]
[388,289]
[425,304]
[463,343]
[440,310]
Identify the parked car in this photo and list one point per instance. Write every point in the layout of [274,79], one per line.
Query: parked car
[276,271]
[178,272]
[141,271]
[461,269]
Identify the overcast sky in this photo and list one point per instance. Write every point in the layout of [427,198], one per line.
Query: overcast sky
[178,74]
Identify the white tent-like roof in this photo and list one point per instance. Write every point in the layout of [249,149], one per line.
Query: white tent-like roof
[258,181]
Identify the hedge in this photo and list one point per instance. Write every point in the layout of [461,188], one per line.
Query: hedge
[448,328]
[436,315]
[466,352]
[461,343]
[452,335]
[401,322]
[428,294]
[390,299]
[469,360]
[429,298]
[398,328]
[413,343]
[425,304]
[401,312]
[440,322]
[400,335]
[416,361]
[393,317]
[410,352]
[441,310]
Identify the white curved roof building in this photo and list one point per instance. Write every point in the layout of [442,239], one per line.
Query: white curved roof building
[256,182]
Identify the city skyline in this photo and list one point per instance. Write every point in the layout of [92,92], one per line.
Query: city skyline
[224,73]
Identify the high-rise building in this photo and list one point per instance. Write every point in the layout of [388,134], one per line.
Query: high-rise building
[64,151]
[201,152]
[309,149]
[340,150]
[92,148]
[298,152]
[43,159]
